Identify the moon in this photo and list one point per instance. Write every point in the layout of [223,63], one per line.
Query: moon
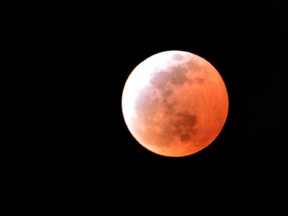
[175,103]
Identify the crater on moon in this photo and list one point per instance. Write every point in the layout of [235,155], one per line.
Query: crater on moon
[177,75]
[193,66]
[177,57]
[185,126]
[172,75]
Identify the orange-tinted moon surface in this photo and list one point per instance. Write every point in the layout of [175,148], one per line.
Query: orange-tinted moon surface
[175,103]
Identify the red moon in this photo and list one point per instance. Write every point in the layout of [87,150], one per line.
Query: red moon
[175,103]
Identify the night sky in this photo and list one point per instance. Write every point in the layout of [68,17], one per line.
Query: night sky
[69,67]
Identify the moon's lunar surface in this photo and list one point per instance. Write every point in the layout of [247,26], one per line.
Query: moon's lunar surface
[175,103]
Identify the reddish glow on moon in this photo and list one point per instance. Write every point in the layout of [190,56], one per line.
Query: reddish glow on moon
[175,103]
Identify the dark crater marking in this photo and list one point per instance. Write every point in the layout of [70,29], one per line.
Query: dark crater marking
[185,126]
[193,65]
[177,57]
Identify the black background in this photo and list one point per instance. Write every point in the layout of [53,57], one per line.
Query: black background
[69,66]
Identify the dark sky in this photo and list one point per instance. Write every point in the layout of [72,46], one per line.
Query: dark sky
[69,66]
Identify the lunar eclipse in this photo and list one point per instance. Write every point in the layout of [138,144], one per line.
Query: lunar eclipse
[175,103]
